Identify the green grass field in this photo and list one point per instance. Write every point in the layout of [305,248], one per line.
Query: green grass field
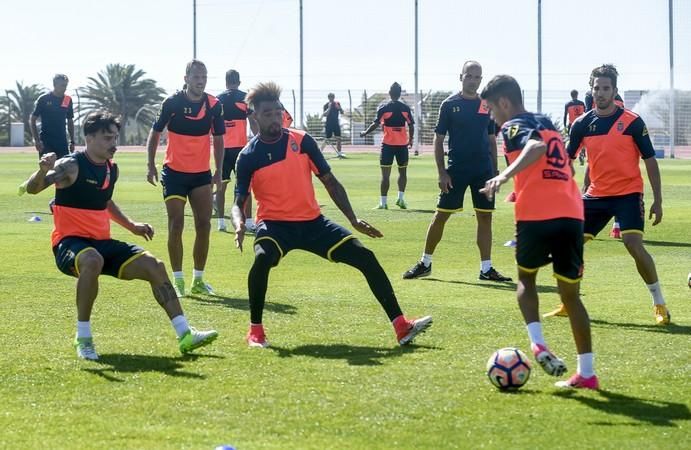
[335,378]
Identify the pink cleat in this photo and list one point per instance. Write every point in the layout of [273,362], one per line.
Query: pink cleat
[579,382]
[548,361]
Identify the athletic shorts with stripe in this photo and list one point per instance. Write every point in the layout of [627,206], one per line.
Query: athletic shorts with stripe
[556,241]
[319,236]
[629,209]
[389,152]
[116,254]
[180,184]
[452,201]
[229,159]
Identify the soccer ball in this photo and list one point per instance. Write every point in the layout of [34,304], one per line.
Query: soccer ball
[689,280]
[508,368]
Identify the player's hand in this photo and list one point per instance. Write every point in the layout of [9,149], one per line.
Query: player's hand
[363,134]
[152,175]
[365,228]
[47,162]
[239,236]
[492,185]
[445,182]
[144,230]
[656,210]
[410,144]
[216,179]
[39,147]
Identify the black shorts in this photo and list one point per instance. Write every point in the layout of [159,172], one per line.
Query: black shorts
[116,254]
[556,241]
[452,201]
[319,236]
[628,210]
[230,157]
[60,148]
[333,130]
[388,152]
[180,184]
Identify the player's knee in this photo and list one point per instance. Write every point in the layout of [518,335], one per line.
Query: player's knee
[266,256]
[202,227]
[90,261]
[176,225]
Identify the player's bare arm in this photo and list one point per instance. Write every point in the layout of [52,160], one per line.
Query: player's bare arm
[444,178]
[338,194]
[219,153]
[655,183]
[140,229]
[533,150]
[70,130]
[411,134]
[237,215]
[151,147]
[62,173]
[34,134]
[373,126]
[493,153]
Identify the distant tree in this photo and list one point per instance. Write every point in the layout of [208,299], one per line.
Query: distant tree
[21,104]
[123,90]
[314,125]
[658,103]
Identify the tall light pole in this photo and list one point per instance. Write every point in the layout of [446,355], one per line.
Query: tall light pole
[194,29]
[539,56]
[302,75]
[418,102]
[672,103]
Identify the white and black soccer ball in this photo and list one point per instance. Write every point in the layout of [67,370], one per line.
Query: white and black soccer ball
[508,368]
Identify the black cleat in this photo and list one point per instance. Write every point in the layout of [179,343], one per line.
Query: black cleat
[493,275]
[419,270]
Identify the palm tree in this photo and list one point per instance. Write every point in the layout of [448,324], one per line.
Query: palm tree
[123,90]
[21,102]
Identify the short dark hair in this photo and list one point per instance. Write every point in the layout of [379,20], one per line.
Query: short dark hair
[574,93]
[469,63]
[192,64]
[60,77]
[100,121]
[331,95]
[605,71]
[232,77]
[503,86]
[395,90]
[263,92]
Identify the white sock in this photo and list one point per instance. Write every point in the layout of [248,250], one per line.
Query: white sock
[197,274]
[221,222]
[585,365]
[485,265]
[400,195]
[656,292]
[426,259]
[382,200]
[83,329]
[535,333]
[178,275]
[249,222]
[616,225]
[180,324]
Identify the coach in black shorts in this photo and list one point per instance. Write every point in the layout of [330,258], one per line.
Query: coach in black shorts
[54,109]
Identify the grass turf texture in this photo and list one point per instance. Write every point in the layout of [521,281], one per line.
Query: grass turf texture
[335,377]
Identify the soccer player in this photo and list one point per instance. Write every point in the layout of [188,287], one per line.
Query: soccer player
[235,116]
[55,110]
[84,184]
[393,116]
[573,109]
[287,119]
[617,139]
[549,222]
[190,115]
[278,163]
[472,161]
[332,127]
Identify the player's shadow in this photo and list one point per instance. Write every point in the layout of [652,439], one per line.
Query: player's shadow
[502,286]
[354,355]
[117,363]
[242,304]
[667,244]
[643,411]
[412,210]
[672,328]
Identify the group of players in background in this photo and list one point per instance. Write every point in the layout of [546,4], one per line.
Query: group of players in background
[552,218]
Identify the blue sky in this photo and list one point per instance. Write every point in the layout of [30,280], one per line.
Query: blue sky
[356,44]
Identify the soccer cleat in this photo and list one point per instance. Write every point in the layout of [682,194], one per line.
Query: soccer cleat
[662,315]
[194,339]
[412,328]
[85,348]
[548,360]
[199,287]
[21,190]
[559,312]
[179,284]
[578,382]
[615,233]
[419,270]
[256,337]
[380,206]
[401,203]
[341,155]
[493,275]
[222,228]
[251,227]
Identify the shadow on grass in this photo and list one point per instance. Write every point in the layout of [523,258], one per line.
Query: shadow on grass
[117,363]
[501,286]
[666,329]
[242,303]
[644,411]
[354,355]
[412,210]
[667,244]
